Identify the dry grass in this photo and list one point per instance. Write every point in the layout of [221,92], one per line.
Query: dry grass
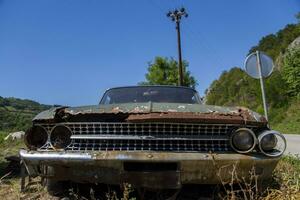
[240,188]
[127,190]
[10,190]
[285,183]
[286,180]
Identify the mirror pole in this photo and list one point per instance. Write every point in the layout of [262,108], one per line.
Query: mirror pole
[262,85]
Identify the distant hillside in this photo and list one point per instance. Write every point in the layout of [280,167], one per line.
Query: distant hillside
[16,114]
[235,87]
[276,44]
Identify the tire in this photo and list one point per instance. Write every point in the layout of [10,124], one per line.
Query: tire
[55,187]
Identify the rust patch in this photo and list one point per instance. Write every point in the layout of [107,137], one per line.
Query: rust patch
[145,113]
[116,110]
[235,118]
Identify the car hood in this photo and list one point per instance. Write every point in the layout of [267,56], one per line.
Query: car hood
[151,111]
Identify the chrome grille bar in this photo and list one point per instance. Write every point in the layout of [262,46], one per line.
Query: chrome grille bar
[134,137]
[110,136]
[148,128]
[149,145]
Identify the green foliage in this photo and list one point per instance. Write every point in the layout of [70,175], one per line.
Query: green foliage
[235,87]
[2,136]
[293,161]
[16,114]
[290,122]
[298,17]
[291,71]
[164,71]
[274,44]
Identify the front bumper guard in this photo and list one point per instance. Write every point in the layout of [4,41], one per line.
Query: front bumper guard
[107,166]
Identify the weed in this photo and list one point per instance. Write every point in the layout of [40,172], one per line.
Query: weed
[285,183]
[127,190]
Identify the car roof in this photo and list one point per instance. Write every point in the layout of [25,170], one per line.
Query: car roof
[170,86]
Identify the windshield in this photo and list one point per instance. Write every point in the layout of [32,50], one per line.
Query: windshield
[150,93]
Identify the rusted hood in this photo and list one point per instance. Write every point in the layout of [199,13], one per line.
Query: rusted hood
[141,112]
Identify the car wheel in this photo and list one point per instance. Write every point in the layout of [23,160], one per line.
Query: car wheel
[55,187]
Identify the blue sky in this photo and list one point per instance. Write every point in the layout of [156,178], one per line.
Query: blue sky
[69,52]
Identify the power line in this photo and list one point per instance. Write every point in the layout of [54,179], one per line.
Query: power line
[197,40]
[196,37]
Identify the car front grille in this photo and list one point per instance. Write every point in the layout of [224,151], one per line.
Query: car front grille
[180,137]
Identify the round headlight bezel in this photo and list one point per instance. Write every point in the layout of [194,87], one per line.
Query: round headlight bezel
[36,137]
[271,153]
[66,136]
[251,134]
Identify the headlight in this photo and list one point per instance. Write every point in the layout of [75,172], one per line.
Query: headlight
[243,140]
[268,142]
[60,136]
[35,137]
[271,143]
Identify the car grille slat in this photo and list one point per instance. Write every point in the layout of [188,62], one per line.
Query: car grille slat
[180,137]
[133,145]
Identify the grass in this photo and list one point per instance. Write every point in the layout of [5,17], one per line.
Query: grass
[8,148]
[285,184]
[286,180]
[9,189]
[3,134]
[290,123]
[9,183]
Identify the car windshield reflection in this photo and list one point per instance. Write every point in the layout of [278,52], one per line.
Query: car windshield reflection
[141,94]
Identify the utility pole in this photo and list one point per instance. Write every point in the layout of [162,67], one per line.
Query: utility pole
[176,17]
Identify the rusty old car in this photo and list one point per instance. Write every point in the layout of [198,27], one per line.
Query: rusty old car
[151,137]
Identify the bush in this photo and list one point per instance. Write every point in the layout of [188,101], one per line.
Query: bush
[291,71]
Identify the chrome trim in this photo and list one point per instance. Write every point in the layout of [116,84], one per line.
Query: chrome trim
[273,154]
[134,137]
[85,166]
[251,133]
[53,128]
[42,127]
[58,125]
[156,136]
[55,156]
[174,123]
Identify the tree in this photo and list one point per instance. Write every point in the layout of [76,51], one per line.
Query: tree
[164,71]
[298,17]
[269,44]
[291,70]
[235,87]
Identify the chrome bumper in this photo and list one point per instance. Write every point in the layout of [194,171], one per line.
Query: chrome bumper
[108,166]
[36,157]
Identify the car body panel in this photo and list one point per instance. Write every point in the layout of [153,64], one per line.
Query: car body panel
[108,167]
[137,124]
[151,111]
